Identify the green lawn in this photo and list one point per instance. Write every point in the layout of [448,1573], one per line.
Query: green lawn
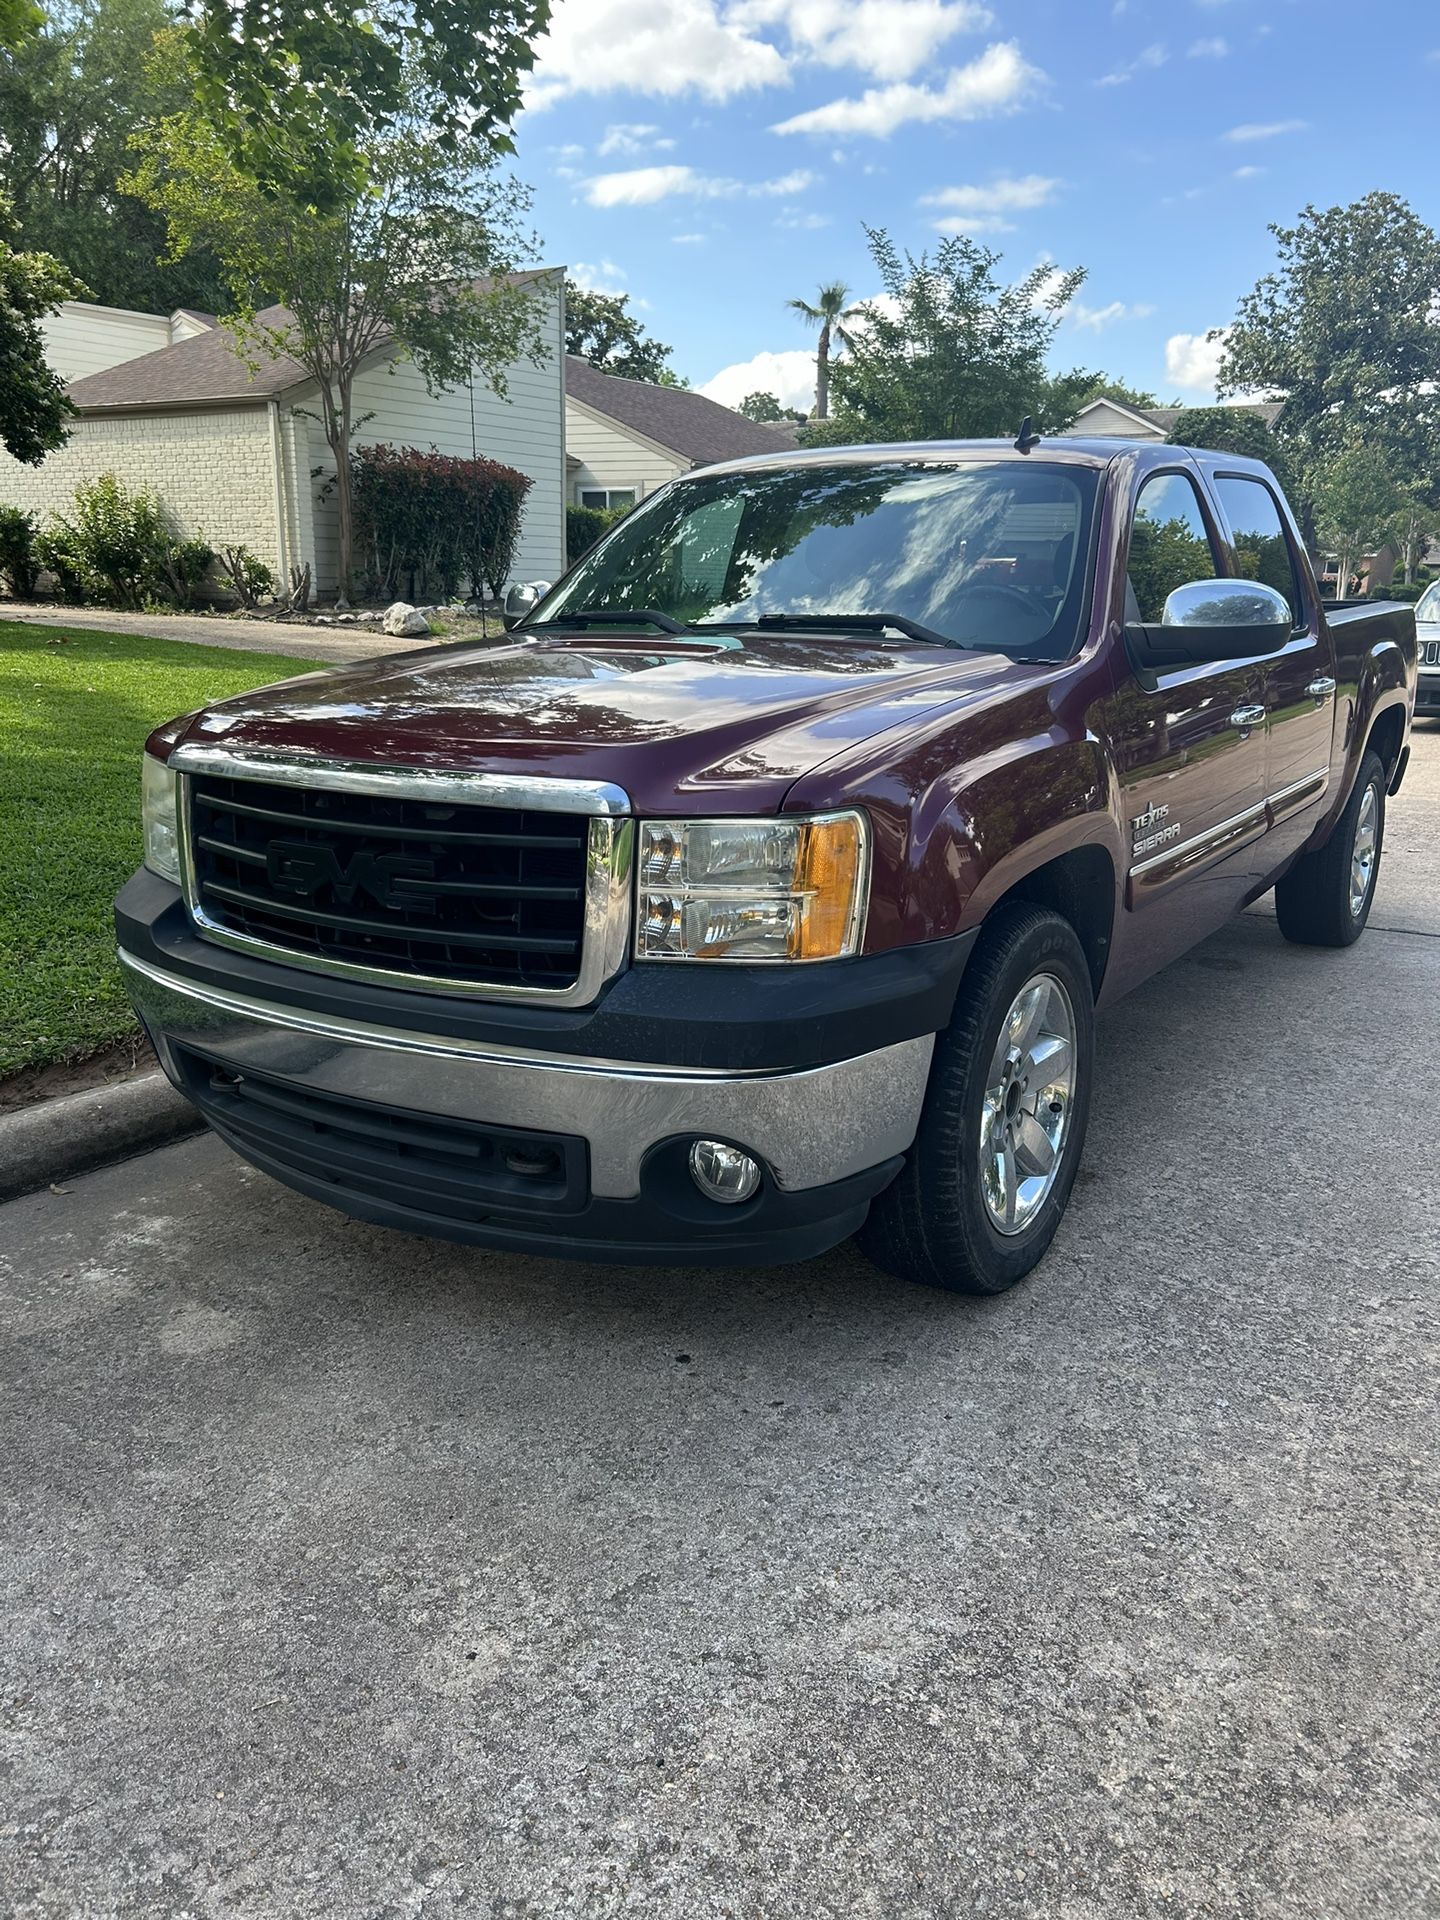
[75,708]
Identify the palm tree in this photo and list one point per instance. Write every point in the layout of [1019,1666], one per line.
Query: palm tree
[829,313]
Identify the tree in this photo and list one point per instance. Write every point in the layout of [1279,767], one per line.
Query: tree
[19,20]
[299,92]
[1416,522]
[416,264]
[33,406]
[600,328]
[1356,500]
[1234,430]
[765,408]
[950,353]
[829,313]
[1347,330]
[70,100]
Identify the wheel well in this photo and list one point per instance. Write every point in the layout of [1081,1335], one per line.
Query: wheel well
[1080,886]
[1386,738]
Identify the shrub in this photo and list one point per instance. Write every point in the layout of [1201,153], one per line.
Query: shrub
[18,563]
[58,553]
[248,574]
[184,565]
[431,519]
[116,541]
[586,526]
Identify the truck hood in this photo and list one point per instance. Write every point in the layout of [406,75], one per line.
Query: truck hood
[736,720]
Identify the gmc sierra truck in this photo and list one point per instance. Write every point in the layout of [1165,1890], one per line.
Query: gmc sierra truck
[761,889]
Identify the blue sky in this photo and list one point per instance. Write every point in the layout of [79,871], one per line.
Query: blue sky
[713,157]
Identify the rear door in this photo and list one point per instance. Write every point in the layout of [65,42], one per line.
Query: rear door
[1189,741]
[1299,681]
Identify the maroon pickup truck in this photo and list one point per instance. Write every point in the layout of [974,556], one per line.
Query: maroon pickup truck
[762,889]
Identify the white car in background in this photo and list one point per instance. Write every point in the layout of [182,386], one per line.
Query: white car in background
[1427,632]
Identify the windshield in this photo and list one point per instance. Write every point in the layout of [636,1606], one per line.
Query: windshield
[1428,607]
[990,555]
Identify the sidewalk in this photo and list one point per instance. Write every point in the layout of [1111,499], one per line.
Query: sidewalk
[335,644]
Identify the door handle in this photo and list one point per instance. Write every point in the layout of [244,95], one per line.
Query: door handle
[1321,689]
[1247,717]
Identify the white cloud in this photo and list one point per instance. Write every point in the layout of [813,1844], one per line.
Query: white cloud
[888,39]
[629,137]
[1193,360]
[645,186]
[789,376]
[600,277]
[661,47]
[1001,80]
[1247,173]
[1215,48]
[1144,62]
[1264,130]
[687,239]
[1096,319]
[794,222]
[983,209]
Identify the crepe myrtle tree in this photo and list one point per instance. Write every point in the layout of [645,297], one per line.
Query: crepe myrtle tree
[419,263]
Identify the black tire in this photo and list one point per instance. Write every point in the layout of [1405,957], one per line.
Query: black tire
[1313,903]
[932,1225]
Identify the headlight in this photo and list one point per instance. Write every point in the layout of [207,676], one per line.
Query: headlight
[785,889]
[157,812]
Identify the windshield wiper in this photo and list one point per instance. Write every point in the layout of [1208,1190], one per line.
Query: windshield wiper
[611,617]
[841,623]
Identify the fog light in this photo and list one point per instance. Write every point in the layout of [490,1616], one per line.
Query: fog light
[723,1173]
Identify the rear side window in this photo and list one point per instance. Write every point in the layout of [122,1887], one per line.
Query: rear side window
[1262,550]
[1169,544]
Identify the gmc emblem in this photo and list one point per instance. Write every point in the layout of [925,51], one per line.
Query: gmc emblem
[298,869]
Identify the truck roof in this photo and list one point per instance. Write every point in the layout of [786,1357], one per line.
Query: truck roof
[1076,452]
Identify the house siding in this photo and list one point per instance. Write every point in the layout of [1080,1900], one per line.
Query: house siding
[82,339]
[525,430]
[213,470]
[611,457]
[1105,422]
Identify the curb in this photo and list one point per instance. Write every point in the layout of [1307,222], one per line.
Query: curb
[81,1131]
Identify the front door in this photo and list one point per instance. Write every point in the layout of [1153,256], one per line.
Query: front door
[1300,679]
[1189,743]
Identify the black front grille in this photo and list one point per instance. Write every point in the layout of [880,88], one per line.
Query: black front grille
[477,895]
[1430,653]
[433,1168]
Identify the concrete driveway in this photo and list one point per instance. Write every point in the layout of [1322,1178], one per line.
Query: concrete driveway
[345,1574]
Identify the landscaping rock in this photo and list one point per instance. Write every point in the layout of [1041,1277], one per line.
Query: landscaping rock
[404,621]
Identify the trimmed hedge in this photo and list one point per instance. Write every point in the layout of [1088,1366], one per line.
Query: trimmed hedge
[586,526]
[432,520]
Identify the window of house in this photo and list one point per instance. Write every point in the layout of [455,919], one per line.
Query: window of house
[1169,544]
[1262,549]
[607,497]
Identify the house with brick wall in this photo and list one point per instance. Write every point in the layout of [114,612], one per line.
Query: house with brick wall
[236,451]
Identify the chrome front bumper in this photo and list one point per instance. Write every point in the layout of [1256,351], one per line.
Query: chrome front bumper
[811,1128]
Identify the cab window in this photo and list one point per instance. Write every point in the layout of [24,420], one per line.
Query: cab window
[1169,544]
[1262,548]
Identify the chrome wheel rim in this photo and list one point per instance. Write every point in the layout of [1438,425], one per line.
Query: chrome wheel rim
[1362,853]
[1029,1093]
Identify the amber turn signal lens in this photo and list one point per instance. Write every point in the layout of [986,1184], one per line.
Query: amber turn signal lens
[827,878]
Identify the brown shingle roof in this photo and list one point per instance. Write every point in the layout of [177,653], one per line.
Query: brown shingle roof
[204,369]
[674,417]
[1166,417]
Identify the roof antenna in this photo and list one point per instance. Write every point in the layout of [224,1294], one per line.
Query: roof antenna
[1027,436]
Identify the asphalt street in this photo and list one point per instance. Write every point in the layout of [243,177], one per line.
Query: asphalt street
[350,1575]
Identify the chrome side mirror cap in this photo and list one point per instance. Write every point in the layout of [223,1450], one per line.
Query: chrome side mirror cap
[1227,603]
[524,596]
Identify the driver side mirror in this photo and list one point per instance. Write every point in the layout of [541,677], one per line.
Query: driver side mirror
[521,599]
[1209,620]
